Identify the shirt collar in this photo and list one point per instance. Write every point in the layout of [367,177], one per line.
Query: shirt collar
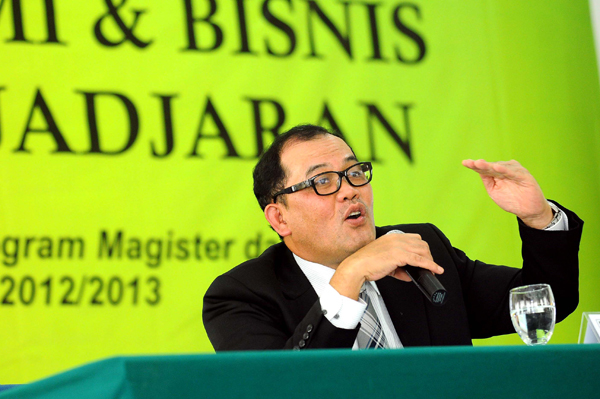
[318,274]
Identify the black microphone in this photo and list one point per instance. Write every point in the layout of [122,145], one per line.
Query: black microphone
[425,280]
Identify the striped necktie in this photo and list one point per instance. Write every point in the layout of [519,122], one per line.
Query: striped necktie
[370,335]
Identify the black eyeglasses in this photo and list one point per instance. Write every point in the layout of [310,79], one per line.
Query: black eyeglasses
[327,183]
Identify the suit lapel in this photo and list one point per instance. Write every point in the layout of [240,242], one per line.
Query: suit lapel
[407,308]
[295,287]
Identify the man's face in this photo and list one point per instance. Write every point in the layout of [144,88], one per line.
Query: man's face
[324,229]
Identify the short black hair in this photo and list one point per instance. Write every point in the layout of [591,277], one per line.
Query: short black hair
[268,174]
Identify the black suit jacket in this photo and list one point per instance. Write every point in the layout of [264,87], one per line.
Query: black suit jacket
[268,303]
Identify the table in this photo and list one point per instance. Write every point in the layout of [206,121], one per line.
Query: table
[552,371]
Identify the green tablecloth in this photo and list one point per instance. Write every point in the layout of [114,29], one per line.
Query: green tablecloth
[554,371]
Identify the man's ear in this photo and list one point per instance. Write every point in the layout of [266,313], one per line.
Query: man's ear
[274,215]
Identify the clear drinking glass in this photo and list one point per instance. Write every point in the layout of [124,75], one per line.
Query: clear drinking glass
[533,313]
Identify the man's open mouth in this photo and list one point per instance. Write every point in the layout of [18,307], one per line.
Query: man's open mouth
[354,215]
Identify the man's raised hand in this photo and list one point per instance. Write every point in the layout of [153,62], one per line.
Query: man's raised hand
[514,189]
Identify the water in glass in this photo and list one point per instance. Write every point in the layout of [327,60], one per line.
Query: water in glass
[533,313]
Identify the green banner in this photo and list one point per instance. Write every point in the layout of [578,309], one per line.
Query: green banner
[129,130]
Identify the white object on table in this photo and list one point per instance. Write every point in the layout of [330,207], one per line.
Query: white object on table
[589,333]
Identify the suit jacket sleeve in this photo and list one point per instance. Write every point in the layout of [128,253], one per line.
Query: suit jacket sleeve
[549,257]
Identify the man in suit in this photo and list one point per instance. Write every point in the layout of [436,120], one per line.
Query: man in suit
[336,278]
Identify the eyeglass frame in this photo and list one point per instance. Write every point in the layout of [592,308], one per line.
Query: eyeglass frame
[311,182]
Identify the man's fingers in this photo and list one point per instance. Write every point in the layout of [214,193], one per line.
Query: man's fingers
[412,243]
[387,256]
[410,235]
[400,274]
[481,166]
[424,262]
[509,169]
[421,248]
